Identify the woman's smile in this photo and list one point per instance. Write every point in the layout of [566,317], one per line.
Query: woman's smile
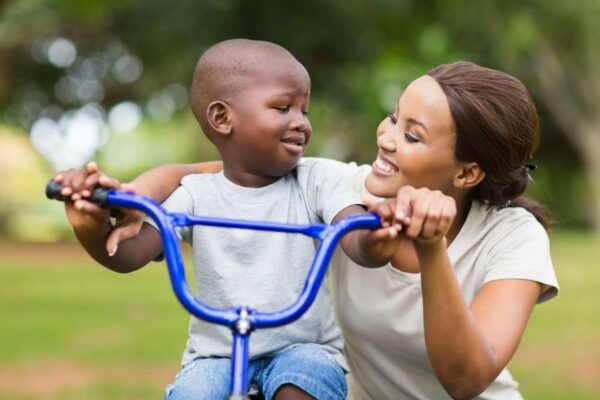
[383,167]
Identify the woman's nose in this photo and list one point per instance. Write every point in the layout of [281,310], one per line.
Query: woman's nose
[386,143]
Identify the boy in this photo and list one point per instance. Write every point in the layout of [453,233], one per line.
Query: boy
[251,100]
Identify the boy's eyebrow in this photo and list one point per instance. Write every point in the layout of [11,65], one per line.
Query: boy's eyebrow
[290,92]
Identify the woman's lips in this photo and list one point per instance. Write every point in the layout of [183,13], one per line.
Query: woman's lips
[383,168]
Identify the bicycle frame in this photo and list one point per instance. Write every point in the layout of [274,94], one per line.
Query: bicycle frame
[241,320]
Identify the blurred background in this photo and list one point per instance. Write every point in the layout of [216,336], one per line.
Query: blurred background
[108,80]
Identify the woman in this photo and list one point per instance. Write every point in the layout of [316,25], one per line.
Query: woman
[444,318]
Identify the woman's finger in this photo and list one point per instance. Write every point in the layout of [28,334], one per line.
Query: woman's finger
[432,219]
[370,200]
[420,207]
[404,203]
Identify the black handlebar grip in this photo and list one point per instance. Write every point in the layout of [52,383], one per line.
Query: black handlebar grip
[99,194]
[53,189]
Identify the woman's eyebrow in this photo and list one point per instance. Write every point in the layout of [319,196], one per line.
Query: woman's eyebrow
[413,121]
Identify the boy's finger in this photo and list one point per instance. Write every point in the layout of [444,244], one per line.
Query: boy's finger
[89,183]
[108,182]
[128,187]
[92,167]
[86,206]
[385,212]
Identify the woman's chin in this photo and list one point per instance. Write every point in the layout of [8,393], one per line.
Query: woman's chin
[379,187]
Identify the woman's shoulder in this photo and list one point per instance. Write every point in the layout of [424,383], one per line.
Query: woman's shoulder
[503,219]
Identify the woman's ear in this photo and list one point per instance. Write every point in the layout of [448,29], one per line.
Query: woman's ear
[219,118]
[468,176]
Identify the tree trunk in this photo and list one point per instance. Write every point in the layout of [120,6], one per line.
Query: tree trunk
[581,128]
[591,157]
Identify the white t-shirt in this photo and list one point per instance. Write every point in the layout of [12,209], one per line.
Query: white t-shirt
[263,270]
[380,310]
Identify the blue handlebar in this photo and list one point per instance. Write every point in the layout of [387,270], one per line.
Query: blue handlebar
[241,320]
[329,236]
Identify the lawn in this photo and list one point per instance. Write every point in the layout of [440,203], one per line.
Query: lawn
[73,330]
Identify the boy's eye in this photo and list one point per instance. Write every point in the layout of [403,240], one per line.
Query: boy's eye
[410,138]
[283,108]
[393,117]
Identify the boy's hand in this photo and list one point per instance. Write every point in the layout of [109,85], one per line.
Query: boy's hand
[85,215]
[385,240]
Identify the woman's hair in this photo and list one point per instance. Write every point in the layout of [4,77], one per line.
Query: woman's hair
[497,126]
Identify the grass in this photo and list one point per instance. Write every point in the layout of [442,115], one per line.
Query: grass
[73,330]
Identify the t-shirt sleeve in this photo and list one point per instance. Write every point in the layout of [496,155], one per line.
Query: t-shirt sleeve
[524,253]
[328,191]
[180,201]
[351,172]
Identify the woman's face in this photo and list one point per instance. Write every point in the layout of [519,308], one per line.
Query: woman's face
[416,143]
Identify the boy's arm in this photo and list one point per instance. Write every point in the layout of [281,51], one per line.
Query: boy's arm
[368,248]
[132,253]
[92,227]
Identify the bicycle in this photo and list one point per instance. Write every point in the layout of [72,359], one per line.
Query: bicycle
[241,320]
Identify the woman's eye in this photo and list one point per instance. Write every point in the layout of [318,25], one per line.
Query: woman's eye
[410,138]
[393,117]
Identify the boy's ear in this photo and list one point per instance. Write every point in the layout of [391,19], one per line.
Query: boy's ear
[219,118]
[468,176]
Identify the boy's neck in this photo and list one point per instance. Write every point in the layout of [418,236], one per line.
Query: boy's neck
[246,179]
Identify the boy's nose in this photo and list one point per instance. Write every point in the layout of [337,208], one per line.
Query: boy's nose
[300,123]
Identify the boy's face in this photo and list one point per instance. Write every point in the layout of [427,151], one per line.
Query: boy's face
[270,124]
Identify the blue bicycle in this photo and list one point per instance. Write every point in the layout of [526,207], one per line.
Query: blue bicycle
[242,320]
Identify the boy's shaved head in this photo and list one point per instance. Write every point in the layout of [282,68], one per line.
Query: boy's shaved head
[224,69]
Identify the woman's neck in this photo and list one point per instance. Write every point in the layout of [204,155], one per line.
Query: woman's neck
[463,206]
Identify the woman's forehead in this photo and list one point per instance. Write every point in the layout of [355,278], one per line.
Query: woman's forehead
[425,101]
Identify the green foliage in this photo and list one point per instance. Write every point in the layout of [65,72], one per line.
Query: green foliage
[360,56]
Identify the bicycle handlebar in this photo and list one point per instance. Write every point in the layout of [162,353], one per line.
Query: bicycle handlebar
[329,236]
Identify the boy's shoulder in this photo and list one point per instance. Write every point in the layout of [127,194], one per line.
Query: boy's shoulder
[194,179]
[312,168]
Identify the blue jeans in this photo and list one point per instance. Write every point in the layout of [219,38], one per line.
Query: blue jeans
[307,366]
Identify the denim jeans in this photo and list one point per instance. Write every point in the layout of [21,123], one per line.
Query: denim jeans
[307,366]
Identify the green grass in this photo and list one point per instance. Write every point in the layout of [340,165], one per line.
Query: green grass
[74,330]
[70,329]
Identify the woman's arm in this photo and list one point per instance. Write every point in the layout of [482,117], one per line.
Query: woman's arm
[159,182]
[468,346]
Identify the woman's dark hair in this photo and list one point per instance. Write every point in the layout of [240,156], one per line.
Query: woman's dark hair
[497,126]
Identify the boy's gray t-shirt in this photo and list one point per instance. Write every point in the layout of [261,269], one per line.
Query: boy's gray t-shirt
[263,270]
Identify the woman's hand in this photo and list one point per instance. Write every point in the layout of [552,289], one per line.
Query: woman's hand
[425,215]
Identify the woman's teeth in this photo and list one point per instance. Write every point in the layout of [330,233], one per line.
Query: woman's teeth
[384,166]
